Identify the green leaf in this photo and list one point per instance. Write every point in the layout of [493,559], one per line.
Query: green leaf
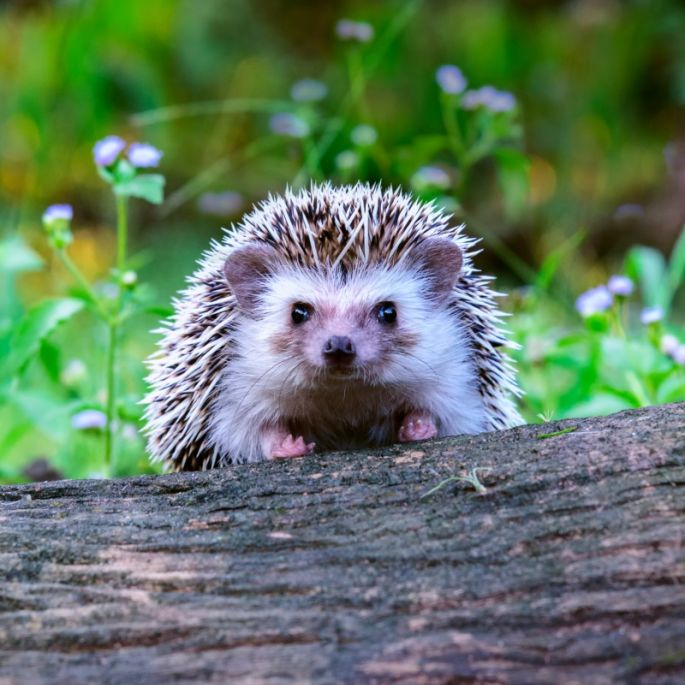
[16,256]
[648,266]
[676,267]
[600,405]
[105,174]
[555,258]
[124,171]
[512,175]
[149,187]
[672,389]
[36,326]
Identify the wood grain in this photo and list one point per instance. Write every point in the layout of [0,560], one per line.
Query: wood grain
[335,569]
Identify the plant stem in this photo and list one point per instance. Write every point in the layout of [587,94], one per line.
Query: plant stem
[76,274]
[111,399]
[113,342]
[122,233]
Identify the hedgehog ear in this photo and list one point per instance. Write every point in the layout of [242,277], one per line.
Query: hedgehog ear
[246,269]
[440,260]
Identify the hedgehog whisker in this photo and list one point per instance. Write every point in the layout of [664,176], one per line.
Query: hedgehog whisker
[259,380]
[282,388]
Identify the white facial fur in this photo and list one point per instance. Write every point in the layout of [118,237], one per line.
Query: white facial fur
[277,373]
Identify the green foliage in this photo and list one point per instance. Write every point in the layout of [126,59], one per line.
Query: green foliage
[216,90]
[35,328]
[614,360]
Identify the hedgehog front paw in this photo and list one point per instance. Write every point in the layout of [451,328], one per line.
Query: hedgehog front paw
[292,447]
[279,444]
[417,426]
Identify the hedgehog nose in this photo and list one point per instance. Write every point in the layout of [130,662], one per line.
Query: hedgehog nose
[339,349]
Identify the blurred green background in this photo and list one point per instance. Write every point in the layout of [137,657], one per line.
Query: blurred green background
[600,86]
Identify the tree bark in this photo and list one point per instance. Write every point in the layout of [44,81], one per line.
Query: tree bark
[339,568]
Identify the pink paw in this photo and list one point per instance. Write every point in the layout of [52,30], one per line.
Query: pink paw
[291,447]
[417,426]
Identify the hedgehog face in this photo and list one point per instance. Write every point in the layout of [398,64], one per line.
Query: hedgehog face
[370,324]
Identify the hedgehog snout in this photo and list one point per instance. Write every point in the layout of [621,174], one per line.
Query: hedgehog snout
[339,350]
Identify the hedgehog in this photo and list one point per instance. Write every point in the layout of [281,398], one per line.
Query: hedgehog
[330,318]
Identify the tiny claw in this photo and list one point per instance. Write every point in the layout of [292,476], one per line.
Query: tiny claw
[292,447]
[417,426]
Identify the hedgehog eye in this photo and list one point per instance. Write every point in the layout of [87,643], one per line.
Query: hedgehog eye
[387,312]
[301,312]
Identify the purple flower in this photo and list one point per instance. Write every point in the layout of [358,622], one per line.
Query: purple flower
[430,176]
[620,285]
[308,90]
[346,29]
[89,419]
[594,300]
[57,213]
[363,135]
[628,211]
[226,203]
[289,125]
[144,155]
[450,79]
[679,355]
[651,315]
[489,97]
[669,344]
[107,150]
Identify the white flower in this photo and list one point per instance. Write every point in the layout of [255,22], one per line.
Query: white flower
[620,285]
[450,79]
[308,90]
[679,355]
[669,344]
[431,176]
[594,300]
[346,29]
[89,419]
[287,124]
[651,315]
[73,373]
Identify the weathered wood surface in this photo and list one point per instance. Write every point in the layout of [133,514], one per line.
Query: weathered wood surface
[335,569]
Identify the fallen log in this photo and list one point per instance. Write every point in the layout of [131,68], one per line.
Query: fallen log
[354,568]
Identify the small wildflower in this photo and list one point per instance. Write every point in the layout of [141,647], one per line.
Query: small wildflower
[73,373]
[450,79]
[594,300]
[56,220]
[308,90]
[347,29]
[225,203]
[502,101]
[347,160]
[129,432]
[620,285]
[144,155]
[669,344]
[679,355]
[489,97]
[107,150]
[628,212]
[89,419]
[431,177]
[287,124]
[58,213]
[128,279]
[363,135]
[651,315]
